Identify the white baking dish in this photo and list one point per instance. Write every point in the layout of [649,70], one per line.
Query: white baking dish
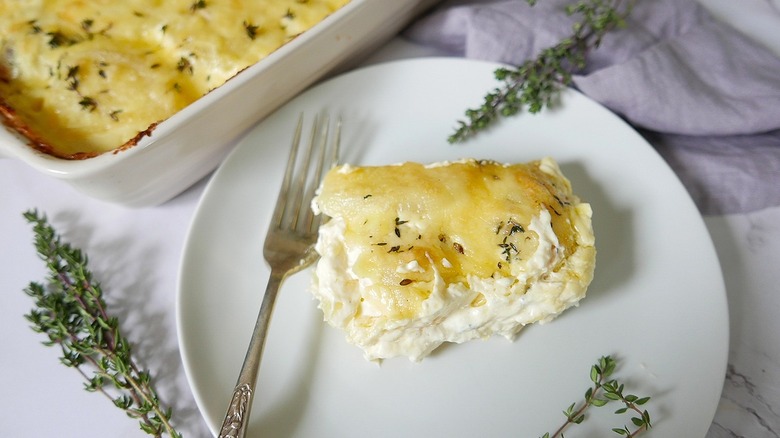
[185,147]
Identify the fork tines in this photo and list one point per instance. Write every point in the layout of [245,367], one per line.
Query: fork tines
[303,175]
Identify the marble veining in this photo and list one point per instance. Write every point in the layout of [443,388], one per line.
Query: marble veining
[749,247]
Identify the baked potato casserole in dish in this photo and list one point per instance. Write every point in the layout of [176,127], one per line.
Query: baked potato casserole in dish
[134,101]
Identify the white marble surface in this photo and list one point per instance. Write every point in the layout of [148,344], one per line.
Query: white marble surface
[748,247]
[135,254]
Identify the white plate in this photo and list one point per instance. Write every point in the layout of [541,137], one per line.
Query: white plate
[657,302]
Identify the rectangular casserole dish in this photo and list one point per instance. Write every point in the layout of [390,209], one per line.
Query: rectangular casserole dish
[185,147]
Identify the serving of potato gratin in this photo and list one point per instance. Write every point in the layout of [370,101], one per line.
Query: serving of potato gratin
[80,78]
[417,255]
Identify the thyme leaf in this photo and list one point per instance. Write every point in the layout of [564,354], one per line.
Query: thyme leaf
[184,65]
[251,29]
[59,39]
[86,26]
[200,4]
[605,390]
[72,78]
[88,103]
[536,83]
[71,312]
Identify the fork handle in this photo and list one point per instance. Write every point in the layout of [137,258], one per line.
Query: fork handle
[236,419]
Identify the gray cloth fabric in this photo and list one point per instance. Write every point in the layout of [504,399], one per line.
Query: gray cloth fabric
[706,96]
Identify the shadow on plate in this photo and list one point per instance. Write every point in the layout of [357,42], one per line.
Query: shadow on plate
[614,231]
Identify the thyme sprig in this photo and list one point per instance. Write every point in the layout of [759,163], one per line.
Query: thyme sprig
[536,83]
[71,312]
[605,390]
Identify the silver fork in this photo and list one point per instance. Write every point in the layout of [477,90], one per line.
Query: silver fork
[289,248]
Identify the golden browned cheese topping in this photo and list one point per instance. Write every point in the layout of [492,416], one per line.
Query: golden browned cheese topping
[85,77]
[458,220]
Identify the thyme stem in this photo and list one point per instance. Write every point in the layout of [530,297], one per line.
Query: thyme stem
[536,83]
[71,312]
[603,391]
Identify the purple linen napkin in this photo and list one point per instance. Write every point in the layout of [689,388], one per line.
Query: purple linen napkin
[706,96]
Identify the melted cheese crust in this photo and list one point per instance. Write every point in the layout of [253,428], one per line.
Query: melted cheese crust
[86,77]
[415,255]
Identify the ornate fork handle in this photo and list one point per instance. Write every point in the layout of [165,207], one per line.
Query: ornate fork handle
[237,413]
[237,418]
[288,248]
